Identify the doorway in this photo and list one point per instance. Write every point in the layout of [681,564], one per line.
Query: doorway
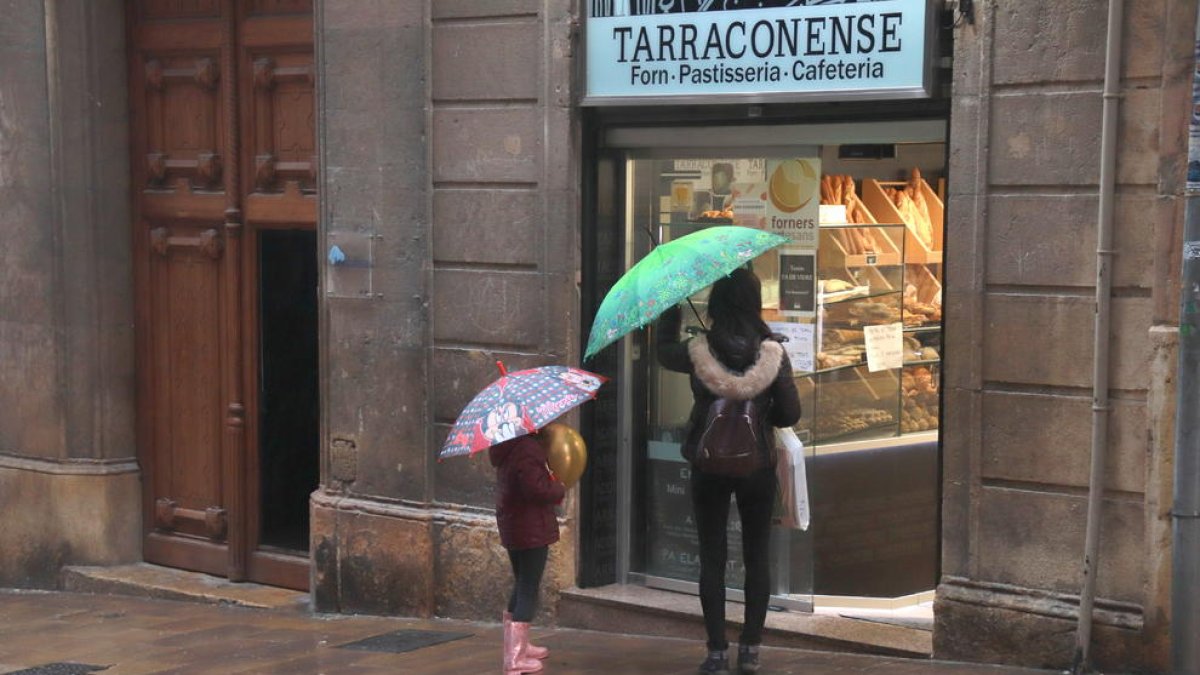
[870,425]
[224,201]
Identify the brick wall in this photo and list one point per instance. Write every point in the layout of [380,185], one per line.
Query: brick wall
[69,484]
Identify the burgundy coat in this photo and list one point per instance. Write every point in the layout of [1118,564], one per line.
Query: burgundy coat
[525,494]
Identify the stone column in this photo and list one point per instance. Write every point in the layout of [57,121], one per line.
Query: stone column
[449,144]
[370,536]
[505,257]
[1024,169]
[69,484]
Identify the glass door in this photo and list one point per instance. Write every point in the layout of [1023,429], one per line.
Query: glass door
[667,198]
[858,295]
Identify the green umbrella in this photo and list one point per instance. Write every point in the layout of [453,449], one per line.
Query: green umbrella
[672,272]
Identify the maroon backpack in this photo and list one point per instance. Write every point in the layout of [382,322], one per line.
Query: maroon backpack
[729,445]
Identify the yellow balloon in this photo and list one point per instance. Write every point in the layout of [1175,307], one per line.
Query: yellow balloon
[565,452]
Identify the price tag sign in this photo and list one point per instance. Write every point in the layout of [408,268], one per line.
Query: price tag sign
[885,346]
[799,346]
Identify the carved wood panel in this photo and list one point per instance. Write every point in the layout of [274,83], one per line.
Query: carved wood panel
[185,299]
[179,96]
[184,121]
[283,132]
[178,9]
[259,7]
[199,124]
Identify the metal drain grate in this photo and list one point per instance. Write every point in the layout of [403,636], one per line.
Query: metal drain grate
[60,669]
[404,641]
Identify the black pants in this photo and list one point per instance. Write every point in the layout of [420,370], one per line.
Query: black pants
[527,566]
[710,502]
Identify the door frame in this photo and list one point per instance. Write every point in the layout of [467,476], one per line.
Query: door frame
[273,566]
[236,216]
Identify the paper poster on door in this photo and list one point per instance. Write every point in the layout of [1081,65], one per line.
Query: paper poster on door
[885,346]
[793,199]
[797,283]
[785,201]
[799,345]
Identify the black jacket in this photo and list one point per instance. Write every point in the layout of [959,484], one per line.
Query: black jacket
[739,369]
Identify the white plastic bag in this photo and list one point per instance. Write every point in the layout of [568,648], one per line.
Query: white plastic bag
[793,479]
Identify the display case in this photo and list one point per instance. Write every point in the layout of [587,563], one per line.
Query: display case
[858,299]
[878,333]
[860,274]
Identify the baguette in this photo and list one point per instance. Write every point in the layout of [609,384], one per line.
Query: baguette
[827,190]
[844,240]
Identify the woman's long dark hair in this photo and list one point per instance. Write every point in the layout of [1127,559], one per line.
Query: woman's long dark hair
[735,309]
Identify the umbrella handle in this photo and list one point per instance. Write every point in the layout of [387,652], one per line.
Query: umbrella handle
[697,313]
[650,233]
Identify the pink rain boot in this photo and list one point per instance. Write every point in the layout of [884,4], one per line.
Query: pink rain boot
[531,650]
[516,637]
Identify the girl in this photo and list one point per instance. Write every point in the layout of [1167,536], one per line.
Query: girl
[737,359]
[526,492]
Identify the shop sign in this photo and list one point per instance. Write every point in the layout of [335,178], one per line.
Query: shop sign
[727,51]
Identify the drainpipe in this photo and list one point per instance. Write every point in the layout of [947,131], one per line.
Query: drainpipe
[1185,514]
[1104,253]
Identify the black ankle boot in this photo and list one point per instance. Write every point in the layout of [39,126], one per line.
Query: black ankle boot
[747,659]
[716,664]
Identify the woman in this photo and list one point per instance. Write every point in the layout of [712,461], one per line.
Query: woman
[526,492]
[737,359]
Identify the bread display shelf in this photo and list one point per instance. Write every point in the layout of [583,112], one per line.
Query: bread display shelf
[858,367]
[920,399]
[865,432]
[836,254]
[884,211]
[926,282]
[878,271]
[881,383]
[826,297]
[831,369]
[858,296]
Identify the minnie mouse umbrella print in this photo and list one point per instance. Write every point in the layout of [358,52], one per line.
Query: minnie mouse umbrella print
[516,404]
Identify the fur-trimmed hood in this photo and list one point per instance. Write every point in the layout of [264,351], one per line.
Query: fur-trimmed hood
[725,383]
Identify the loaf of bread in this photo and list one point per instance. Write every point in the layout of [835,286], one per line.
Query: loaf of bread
[838,189]
[914,211]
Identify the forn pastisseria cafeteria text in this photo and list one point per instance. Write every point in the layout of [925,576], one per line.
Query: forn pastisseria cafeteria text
[867,33]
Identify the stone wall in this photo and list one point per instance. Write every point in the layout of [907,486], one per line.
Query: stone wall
[447,134]
[66,314]
[1025,128]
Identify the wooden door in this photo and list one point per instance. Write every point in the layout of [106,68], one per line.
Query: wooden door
[222,139]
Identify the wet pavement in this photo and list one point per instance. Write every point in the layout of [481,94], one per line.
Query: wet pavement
[76,633]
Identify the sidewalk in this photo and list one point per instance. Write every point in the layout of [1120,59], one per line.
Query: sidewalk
[120,635]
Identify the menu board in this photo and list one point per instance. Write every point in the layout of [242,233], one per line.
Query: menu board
[797,283]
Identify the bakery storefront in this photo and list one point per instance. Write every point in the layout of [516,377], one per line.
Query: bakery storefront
[827,123]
